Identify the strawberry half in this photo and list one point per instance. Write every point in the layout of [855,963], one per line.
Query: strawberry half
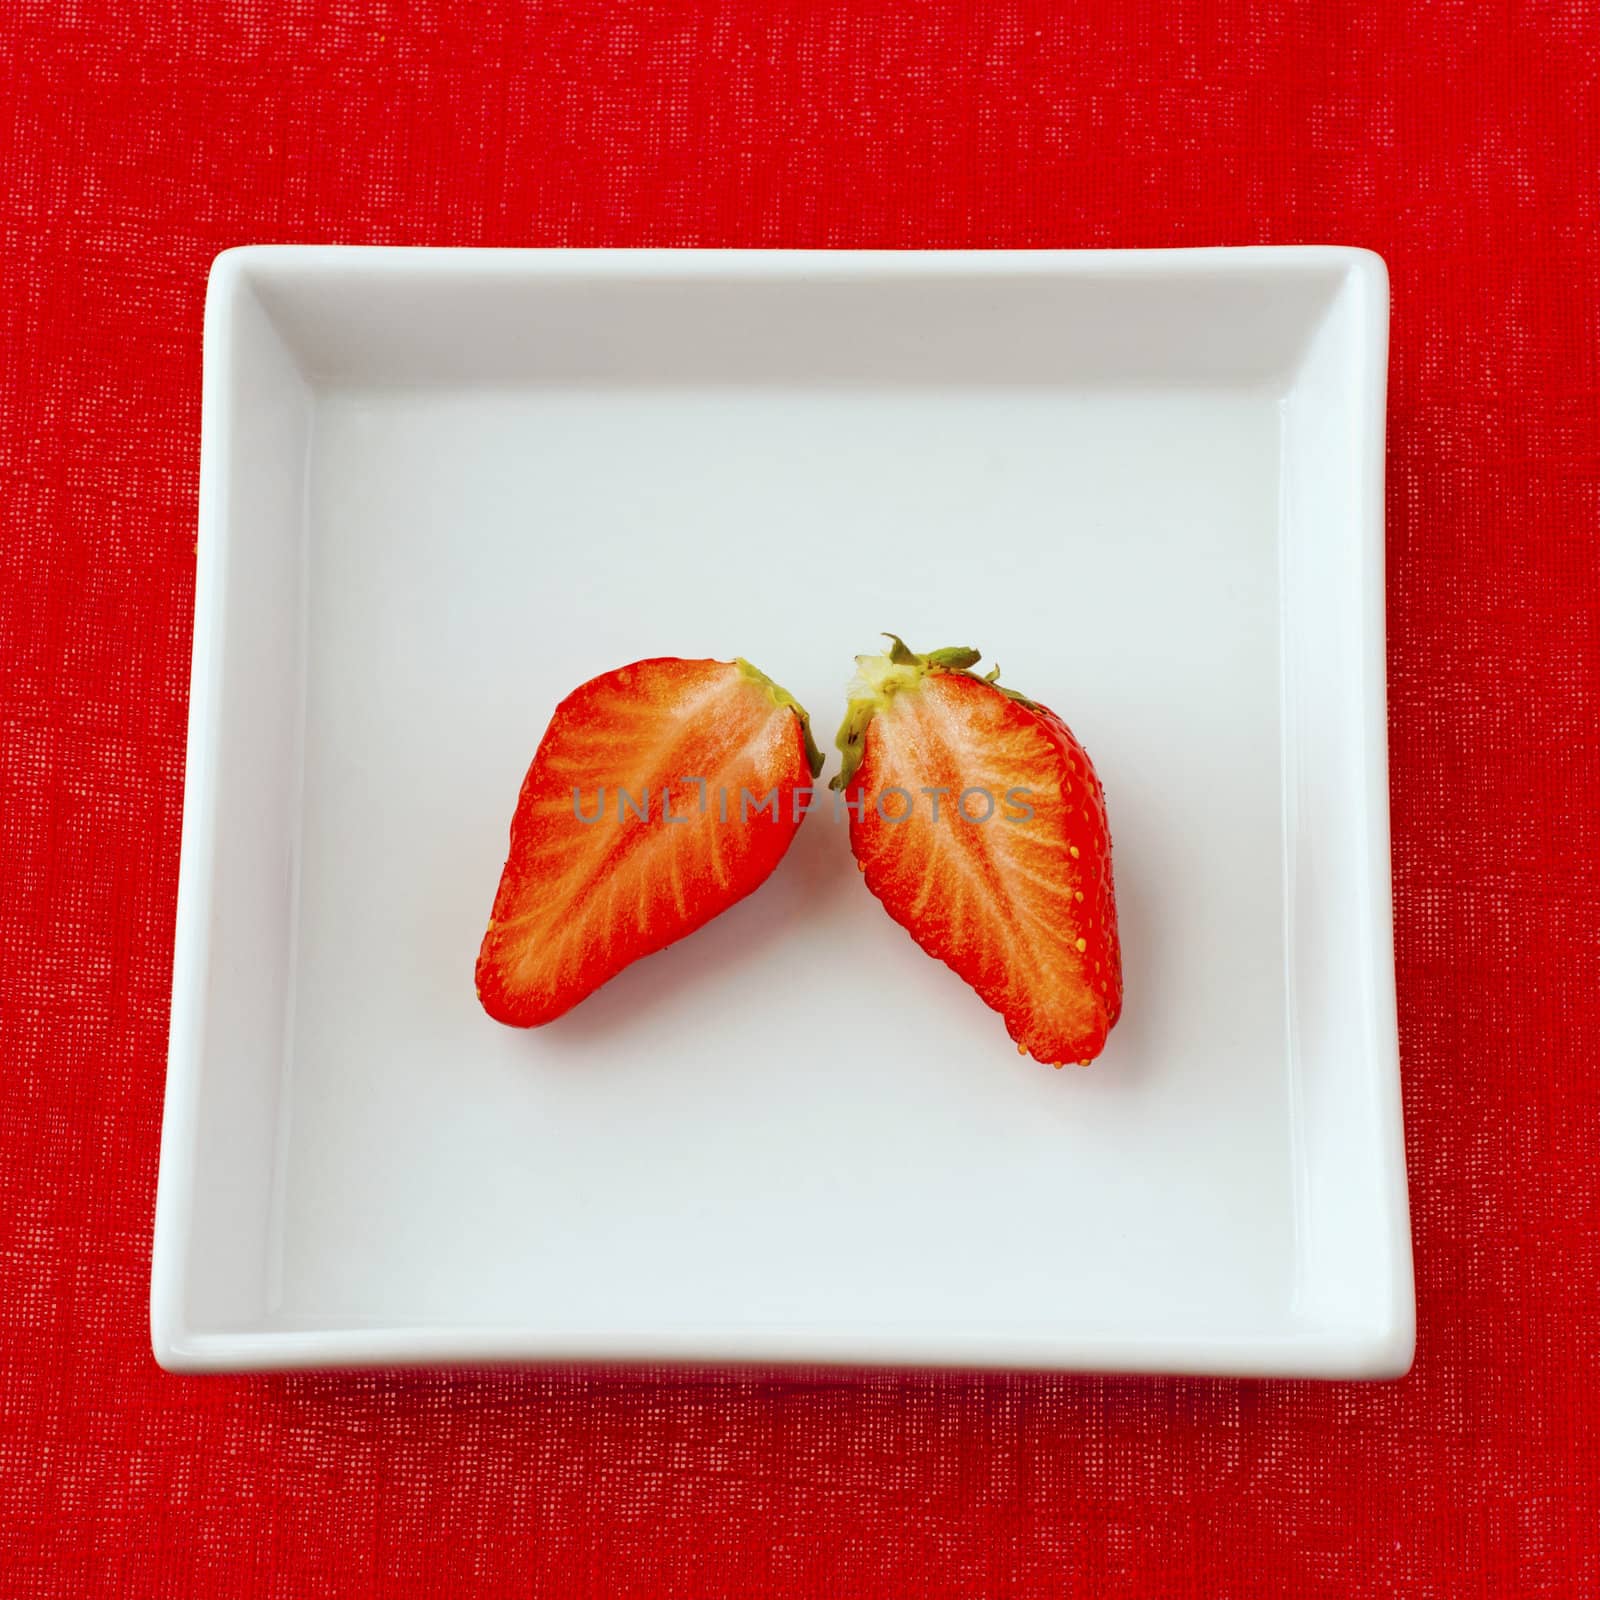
[1020,904]
[661,793]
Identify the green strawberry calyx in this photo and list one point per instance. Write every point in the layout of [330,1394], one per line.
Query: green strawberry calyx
[781,697]
[893,671]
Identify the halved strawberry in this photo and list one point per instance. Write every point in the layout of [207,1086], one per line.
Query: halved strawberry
[1020,904]
[661,793]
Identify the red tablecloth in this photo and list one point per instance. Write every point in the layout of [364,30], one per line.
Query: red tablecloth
[1462,141]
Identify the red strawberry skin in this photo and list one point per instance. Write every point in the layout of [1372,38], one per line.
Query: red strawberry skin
[580,900]
[1024,910]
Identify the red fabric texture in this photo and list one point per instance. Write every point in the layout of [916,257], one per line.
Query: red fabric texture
[1461,141]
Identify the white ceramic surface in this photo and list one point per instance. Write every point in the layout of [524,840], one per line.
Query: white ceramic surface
[440,488]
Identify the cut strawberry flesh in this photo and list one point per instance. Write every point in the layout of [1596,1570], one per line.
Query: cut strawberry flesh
[1022,907]
[640,820]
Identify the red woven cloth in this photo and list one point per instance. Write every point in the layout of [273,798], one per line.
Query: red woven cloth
[1462,141]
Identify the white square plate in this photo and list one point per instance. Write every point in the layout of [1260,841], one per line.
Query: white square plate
[441,488]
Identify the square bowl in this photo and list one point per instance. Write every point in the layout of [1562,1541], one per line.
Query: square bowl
[440,488]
